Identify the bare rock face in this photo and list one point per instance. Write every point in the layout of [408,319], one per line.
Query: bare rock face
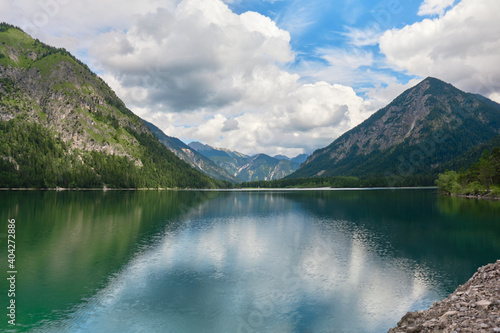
[473,307]
[52,88]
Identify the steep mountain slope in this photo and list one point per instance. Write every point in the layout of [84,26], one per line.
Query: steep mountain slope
[299,159]
[418,133]
[61,125]
[464,161]
[191,156]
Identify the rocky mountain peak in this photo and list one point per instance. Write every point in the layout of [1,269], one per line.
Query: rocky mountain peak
[410,120]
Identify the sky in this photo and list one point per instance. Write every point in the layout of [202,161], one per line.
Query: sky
[269,76]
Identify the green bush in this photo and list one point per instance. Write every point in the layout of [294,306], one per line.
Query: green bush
[448,183]
[456,188]
[482,178]
[495,191]
[474,188]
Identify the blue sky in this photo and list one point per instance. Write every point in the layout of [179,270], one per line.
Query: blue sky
[278,77]
[318,24]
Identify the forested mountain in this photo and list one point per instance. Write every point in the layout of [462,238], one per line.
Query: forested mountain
[250,168]
[191,156]
[61,125]
[473,155]
[419,133]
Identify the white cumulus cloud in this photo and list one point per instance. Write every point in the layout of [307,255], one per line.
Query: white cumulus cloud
[201,55]
[202,72]
[460,47]
[434,7]
[73,24]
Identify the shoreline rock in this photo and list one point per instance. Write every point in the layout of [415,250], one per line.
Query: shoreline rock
[475,196]
[472,307]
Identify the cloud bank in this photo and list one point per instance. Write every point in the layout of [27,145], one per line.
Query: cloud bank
[461,47]
[228,73]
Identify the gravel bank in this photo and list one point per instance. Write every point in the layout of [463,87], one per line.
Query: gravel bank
[473,307]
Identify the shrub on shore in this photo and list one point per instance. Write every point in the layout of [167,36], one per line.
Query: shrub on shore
[481,179]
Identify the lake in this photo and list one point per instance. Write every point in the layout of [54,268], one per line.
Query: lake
[238,261]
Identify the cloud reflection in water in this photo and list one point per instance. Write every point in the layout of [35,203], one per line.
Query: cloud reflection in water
[279,270]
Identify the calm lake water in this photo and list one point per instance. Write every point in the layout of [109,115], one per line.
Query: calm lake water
[263,261]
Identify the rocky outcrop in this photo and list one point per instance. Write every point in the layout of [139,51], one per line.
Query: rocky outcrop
[50,87]
[473,307]
[250,168]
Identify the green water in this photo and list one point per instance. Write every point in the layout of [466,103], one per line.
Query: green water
[270,261]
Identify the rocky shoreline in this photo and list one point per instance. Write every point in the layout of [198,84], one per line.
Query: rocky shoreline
[473,307]
[475,196]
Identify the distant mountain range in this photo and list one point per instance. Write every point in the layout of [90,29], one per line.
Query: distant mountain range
[227,159]
[250,168]
[426,129]
[191,156]
[299,159]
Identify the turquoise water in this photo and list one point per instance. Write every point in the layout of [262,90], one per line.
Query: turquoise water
[266,261]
